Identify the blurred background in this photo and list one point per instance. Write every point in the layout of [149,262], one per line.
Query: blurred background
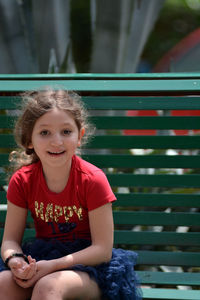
[99,36]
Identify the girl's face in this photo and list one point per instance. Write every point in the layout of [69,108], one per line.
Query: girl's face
[55,138]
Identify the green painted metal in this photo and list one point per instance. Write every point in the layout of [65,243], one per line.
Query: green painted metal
[129,85]
[157,238]
[144,142]
[168,258]
[169,278]
[93,76]
[110,122]
[146,122]
[128,180]
[157,200]
[170,294]
[124,102]
[156,218]
[143,161]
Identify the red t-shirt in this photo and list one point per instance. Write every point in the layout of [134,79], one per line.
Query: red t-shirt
[61,215]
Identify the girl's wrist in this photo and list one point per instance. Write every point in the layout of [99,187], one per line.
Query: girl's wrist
[13,255]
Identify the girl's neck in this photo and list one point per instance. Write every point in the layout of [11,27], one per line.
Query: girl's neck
[57,178]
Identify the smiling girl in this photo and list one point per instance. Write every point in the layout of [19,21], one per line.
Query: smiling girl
[72,256]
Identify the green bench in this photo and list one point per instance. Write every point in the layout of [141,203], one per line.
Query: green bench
[156,177]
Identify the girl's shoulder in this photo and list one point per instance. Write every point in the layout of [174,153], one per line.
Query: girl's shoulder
[85,167]
[26,172]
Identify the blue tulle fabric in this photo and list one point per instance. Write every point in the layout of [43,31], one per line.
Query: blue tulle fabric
[116,279]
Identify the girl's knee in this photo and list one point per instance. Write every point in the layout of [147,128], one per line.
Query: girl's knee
[10,290]
[5,280]
[44,289]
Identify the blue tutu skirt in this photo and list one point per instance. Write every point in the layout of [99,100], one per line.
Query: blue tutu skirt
[116,279]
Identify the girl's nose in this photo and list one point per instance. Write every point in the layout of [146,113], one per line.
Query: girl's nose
[56,140]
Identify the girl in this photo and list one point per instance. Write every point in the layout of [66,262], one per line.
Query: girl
[70,201]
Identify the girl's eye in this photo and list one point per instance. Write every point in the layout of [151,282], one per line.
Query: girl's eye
[66,132]
[44,132]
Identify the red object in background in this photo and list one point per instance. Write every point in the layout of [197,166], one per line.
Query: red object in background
[177,53]
[140,113]
[185,113]
[153,113]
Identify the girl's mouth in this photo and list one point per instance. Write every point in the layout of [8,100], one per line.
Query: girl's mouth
[56,153]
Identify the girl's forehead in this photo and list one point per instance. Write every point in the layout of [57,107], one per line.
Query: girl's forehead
[55,116]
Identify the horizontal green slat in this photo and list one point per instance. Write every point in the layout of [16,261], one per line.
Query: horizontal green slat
[104,85]
[170,294]
[157,200]
[143,161]
[142,102]
[124,102]
[126,180]
[169,278]
[2,197]
[86,76]
[145,142]
[7,121]
[4,159]
[156,238]
[158,123]
[7,141]
[112,122]
[168,258]
[156,218]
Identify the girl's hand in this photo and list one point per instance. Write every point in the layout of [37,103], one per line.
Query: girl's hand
[43,268]
[21,269]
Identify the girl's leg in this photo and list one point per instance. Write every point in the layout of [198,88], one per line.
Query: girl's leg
[9,290]
[64,285]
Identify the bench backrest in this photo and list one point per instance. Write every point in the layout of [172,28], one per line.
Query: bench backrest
[155,175]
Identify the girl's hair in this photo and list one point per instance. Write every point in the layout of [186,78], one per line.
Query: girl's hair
[34,105]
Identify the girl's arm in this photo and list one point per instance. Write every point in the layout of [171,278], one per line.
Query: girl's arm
[13,230]
[101,227]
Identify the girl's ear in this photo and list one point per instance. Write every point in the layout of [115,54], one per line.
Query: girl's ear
[81,134]
[30,146]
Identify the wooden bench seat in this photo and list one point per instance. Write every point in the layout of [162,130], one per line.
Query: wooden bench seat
[156,177]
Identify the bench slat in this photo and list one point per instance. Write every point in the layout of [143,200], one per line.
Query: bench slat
[159,122]
[144,142]
[143,161]
[169,278]
[124,102]
[104,85]
[168,258]
[157,200]
[139,180]
[156,218]
[157,238]
[113,122]
[170,294]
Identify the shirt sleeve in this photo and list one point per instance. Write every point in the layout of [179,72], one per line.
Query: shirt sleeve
[99,191]
[16,191]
